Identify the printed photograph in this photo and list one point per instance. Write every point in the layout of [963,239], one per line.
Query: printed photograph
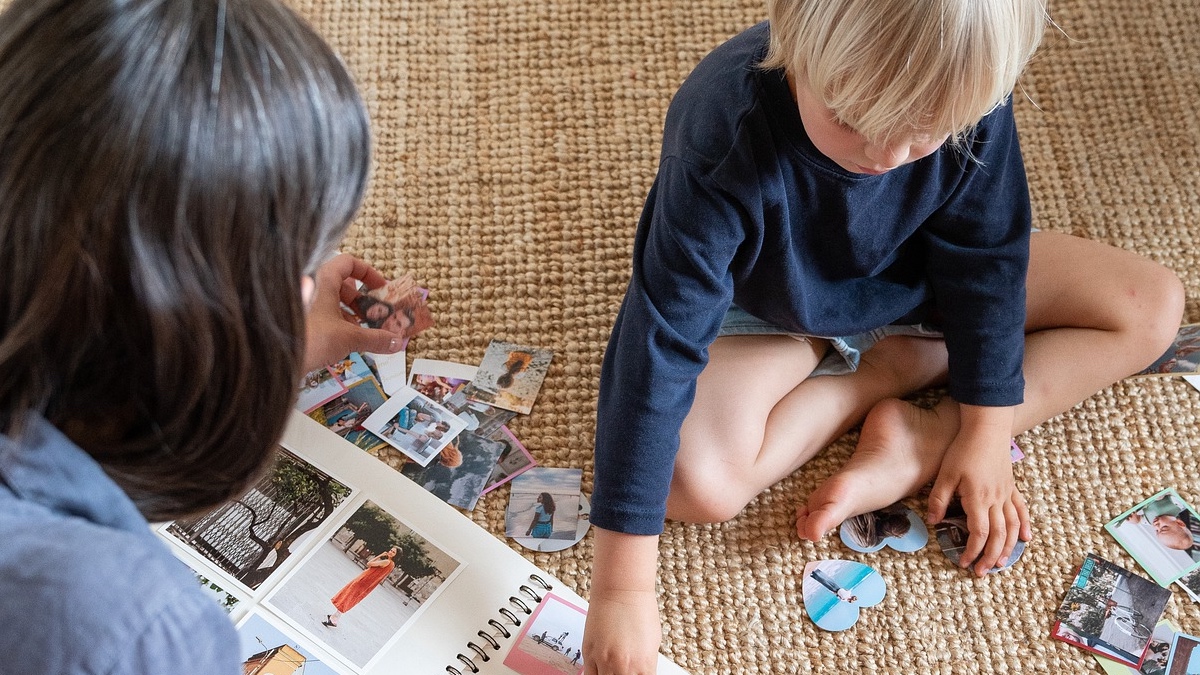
[1184,658]
[398,306]
[582,524]
[1190,583]
[895,526]
[316,388]
[544,504]
[437,380]
[345,414]
[952,535]
[835,590]
[551,642]
[363,586]
[1110,610]
[389,370]
[266,649]
[1162,534]
[1182,357]
[222,597]
[1155,660]
[460,472]
[251,537]
[415,425]
[351,369]
[480,419]
[513,461]
[510,376]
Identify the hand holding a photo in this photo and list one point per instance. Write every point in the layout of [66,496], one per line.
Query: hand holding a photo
[331,332]
[978,467]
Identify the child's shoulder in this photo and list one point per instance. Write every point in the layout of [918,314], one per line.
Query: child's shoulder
[727,75]
[727,84]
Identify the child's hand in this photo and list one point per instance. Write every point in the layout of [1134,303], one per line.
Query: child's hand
[622,634]
[623,631]
[978,467]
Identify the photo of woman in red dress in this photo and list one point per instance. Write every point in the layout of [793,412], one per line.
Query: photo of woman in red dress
[378,569]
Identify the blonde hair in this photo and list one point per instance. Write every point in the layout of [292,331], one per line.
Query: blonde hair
[890,69]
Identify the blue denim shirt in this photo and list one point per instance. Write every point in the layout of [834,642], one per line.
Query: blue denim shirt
[85,586]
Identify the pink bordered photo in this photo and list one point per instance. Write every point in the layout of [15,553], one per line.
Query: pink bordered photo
[552,641]
[514,460]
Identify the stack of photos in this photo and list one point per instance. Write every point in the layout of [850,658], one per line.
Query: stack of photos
[443,425]
[1110,611]
[332,578]
[429,430]
[1163,536]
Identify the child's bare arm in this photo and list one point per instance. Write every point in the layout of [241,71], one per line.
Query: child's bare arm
[978,468]
[623,630]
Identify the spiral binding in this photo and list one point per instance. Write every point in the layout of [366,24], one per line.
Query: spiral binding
[491,640]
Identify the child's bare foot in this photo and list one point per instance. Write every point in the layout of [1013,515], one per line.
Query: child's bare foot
[899,450]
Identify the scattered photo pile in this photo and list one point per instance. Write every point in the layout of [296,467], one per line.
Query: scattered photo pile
[442,424]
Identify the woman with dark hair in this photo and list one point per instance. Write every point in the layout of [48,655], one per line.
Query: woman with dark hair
[172,175]
[373,311]
[542,525]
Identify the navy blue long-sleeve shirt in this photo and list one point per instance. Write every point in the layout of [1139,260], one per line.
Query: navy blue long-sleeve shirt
[746,210]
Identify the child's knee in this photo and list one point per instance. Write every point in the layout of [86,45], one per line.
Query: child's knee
[705,494]
[1159,299]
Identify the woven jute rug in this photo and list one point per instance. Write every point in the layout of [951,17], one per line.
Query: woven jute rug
[515,141]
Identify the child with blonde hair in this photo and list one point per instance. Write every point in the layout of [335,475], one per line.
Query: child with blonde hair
[840,218]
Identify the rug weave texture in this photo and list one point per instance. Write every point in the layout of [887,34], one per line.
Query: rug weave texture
[515,141]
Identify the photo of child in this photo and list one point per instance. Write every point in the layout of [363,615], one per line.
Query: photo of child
[895,526]
[415,425]
[439,379]
[1162,534]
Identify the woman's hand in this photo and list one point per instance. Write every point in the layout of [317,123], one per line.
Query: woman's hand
[331,333]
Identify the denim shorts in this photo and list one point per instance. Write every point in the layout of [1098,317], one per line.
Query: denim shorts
[845,353]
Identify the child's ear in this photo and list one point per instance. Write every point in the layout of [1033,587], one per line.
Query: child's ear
[307,287]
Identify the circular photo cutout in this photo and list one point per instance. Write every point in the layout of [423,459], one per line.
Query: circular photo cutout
[581,527]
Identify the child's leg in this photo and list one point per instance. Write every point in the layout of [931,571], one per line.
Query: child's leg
[757,415]
[1095,314]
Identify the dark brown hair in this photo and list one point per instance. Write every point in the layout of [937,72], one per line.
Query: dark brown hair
[168,172]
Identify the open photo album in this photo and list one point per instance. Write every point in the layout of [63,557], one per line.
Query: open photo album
[335,563]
